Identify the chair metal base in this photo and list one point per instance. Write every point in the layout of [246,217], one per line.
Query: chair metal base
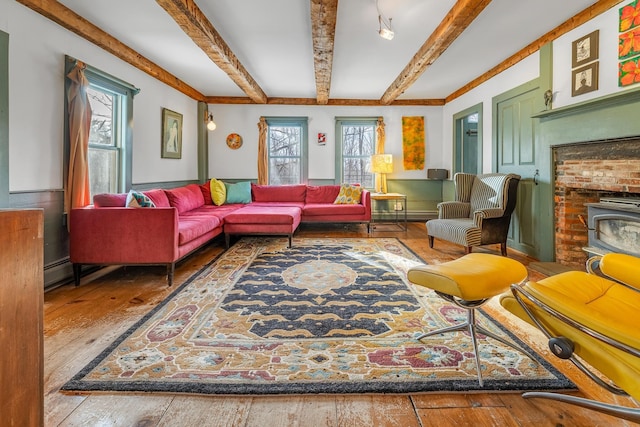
[473,328]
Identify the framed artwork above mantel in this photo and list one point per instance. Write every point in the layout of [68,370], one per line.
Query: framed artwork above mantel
[585,49]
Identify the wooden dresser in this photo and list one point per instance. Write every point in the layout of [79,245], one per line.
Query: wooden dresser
[21,317]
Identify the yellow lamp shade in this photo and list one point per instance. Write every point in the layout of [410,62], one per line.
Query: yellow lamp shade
[382,163]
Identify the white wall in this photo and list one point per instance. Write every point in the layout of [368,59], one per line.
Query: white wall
[528,69]
[607,24]
[37,48]
[243,119]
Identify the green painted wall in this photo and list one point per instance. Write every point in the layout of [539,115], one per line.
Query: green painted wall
[608,117]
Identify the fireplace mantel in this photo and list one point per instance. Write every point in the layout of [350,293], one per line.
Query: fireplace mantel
[592,104]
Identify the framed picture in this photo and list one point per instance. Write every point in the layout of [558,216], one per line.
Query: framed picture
[584,79]
[585,49]
[171,134]
[322,138]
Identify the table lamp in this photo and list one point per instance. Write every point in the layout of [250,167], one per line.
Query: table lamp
[382,164]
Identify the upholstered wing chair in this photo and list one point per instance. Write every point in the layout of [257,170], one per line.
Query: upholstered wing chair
[481,212]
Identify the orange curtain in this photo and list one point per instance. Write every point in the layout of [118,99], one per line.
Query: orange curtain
[263,170]
[78,191]
[380,179]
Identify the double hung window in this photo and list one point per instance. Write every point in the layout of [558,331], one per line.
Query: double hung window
[287,150]
[356,143]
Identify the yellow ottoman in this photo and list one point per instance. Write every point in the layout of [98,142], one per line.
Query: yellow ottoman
[469,282]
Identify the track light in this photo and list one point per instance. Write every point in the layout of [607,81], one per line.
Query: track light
[385,30]
[208,118]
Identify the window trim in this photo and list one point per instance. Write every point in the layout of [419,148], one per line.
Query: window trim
[339,160]
[4,119]
[303,122]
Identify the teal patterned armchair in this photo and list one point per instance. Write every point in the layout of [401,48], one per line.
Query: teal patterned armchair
[481,212]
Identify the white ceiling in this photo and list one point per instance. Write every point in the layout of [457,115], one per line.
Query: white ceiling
[272,40]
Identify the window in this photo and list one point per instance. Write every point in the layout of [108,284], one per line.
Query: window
[356,140]
[287,148]
[110,138]
[105,142]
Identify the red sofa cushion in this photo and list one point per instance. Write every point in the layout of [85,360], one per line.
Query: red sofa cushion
[206,192]
[264,215]
[110,200]
[278,193]
[322,193]
[313,209]
[158,197]
[194,224]
[186,198]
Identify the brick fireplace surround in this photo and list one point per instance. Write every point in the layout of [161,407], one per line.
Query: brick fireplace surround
[585,172]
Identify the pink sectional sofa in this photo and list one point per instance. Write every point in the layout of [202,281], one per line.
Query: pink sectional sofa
[185,218]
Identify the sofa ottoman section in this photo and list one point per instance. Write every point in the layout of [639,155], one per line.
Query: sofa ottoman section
[265,220]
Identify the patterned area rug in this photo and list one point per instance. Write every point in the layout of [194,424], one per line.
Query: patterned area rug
[325,316]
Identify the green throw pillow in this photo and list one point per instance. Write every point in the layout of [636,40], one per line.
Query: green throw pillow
[240,192]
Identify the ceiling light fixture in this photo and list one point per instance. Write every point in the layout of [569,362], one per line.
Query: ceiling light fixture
[208,118]
[385,30]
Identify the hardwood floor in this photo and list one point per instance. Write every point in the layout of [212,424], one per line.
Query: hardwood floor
[82,321]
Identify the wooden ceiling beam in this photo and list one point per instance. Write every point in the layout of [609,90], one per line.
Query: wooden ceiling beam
[65,17]
[587,14]
[237,100]
[457,20]
[196,25]
[323,31]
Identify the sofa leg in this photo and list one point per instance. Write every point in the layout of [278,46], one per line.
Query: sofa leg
[467,250]
[77,269]
[227,240]
[431,242]
[503,248]
[171,268]
[290,238]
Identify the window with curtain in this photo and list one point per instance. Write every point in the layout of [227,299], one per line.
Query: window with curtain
[110,137]
[355,143]
[105,140]
[287,142]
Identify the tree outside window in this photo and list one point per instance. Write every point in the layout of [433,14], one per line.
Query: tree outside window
[357,140]
[104,150]
[287,141]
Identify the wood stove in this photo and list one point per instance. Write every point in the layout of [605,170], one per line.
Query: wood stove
[614,225]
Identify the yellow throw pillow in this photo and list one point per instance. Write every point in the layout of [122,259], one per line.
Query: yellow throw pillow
[218,192]
[349,195]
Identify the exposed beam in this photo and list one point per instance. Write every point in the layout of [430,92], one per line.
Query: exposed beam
[587,14]
[196,25]
[73,22]
[457,20]
[323,30]
[237,100]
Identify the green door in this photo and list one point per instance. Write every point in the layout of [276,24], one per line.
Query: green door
[516,151]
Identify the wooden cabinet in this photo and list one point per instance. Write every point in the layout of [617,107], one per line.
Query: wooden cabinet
[21,317]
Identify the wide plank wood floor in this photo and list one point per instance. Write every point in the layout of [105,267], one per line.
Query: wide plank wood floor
[82,321]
